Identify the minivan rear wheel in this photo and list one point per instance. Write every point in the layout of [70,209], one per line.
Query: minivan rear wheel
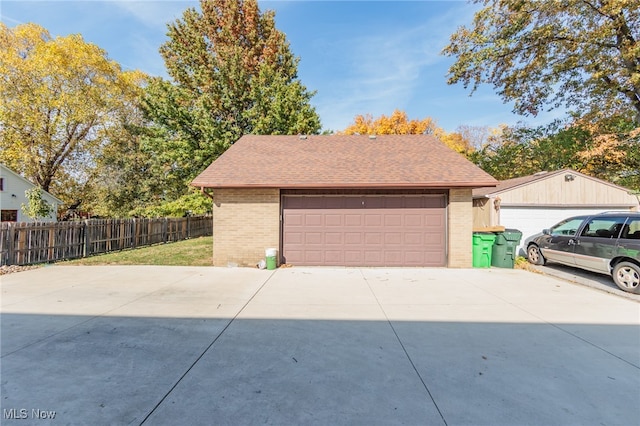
[534,256]
[626,275]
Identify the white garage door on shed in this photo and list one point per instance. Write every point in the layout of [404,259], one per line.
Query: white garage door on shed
[364,230]
[532,220]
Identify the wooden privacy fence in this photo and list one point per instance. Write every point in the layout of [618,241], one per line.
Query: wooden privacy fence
[25,243]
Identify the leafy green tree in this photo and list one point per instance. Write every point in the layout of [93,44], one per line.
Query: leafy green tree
[609,151]
[232,73]
[37,207]
[583,54]
[502,157]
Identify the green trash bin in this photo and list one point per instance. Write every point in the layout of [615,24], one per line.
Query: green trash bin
[271,258]
[503,253]
[482,243]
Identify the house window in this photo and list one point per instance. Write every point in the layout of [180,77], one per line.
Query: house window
[1,184]
[8,215]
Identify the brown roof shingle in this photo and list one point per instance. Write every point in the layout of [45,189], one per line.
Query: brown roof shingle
[341,161]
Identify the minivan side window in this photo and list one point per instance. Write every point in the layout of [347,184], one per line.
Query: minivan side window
[569,227]
[604,227]
[631,230]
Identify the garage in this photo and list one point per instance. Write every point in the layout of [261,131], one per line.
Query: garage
[374,230]
[535,202]
[342,200]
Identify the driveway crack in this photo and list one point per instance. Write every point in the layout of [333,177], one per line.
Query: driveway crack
[404,349]
[213,342]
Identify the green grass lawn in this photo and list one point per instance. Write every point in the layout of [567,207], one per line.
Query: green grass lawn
[194,252]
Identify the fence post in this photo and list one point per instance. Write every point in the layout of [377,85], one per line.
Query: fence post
[188,228]
[134,233]
[87,242]
[165,230]
[12,248]
[51,244]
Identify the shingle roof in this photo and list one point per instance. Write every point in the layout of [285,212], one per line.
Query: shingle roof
[341,161]
[504,185]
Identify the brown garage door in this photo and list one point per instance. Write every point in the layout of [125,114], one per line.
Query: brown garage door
[364,230]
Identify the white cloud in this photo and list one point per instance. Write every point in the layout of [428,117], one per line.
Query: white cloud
[155,13]
[388,69]
[147,56]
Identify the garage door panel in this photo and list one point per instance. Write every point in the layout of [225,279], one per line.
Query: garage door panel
[393,238]
[373,220]
[433,240]
[434,258]
[295,219]
[365,231]
[333,220]
[314,257]
[414,220]
[373,257]
[333,238]
[353,256]
[295,256]
[313,220]
[353,220]
[353,238]
[393,257]
[311,238]
[373,238]
[333,257]
[393,220]
[414,257]
[292,238]
[435,222]
[413,238]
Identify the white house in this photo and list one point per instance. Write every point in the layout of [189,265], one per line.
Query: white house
[12,197]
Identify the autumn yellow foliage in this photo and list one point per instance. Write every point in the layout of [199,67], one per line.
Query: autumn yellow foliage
[399,123]
[59,100]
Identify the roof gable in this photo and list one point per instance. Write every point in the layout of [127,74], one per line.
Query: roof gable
[341,161]
[509,184]
[6,170]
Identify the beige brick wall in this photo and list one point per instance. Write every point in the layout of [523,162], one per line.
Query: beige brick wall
[245,223]
[460,223]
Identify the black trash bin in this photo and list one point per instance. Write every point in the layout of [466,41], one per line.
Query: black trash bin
[503,254]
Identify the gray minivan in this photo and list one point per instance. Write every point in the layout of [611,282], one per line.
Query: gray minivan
[607,243]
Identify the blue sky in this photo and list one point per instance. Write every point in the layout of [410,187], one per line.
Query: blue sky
[360,56]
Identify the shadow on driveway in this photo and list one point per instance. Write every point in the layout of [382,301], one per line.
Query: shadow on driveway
[116,370]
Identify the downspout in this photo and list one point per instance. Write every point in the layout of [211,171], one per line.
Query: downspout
[208,194]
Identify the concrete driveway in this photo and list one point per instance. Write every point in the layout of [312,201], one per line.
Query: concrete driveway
[201,346]
[586,278]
